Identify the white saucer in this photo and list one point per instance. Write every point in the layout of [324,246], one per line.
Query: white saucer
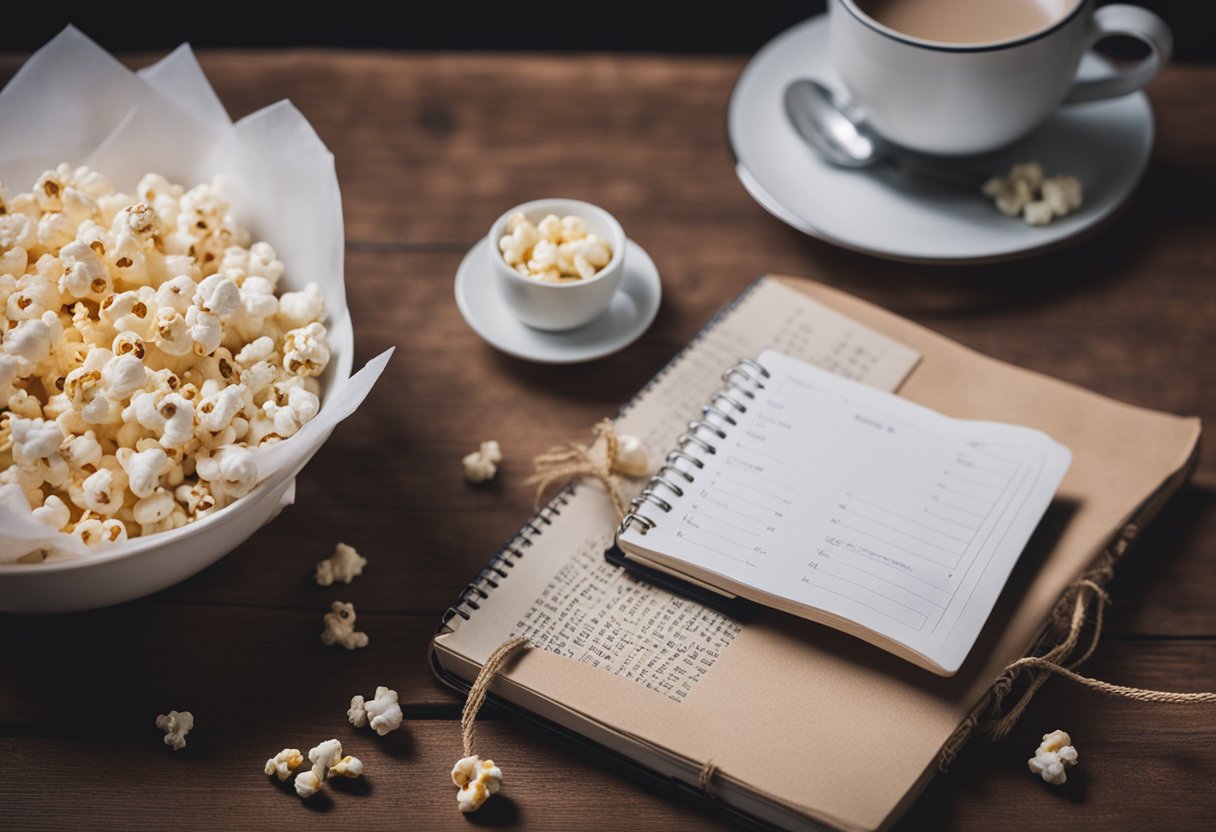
[633,308]
[1105,144]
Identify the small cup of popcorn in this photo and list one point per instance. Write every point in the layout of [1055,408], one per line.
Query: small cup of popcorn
[557,262]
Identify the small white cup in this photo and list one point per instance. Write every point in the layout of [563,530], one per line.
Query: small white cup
[957,99]
[559,306]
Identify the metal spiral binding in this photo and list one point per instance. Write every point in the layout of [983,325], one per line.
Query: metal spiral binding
[499,566]
[741,383]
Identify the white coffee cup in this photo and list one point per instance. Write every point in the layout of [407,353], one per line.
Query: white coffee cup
[956,99]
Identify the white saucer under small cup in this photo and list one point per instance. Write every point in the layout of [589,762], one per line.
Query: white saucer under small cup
[630,314]
[1105,144]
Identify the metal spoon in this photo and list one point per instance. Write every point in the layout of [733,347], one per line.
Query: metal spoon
[836,129]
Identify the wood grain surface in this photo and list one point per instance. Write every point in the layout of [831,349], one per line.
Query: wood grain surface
[430,149]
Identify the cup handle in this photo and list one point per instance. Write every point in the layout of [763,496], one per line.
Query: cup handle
[1135,22]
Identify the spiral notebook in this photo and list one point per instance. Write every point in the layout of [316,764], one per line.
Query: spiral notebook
[663,688]
[820,496]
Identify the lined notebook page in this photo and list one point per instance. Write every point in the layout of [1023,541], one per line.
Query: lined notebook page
[845,499]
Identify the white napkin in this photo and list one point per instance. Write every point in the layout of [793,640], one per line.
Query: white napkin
[73,102]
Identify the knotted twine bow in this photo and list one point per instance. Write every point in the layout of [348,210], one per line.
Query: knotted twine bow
[573,460]
[1071,613]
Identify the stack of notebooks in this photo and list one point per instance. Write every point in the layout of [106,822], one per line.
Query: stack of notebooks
[898,567]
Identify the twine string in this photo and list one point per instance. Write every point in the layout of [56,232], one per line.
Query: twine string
[481,685]
[1067,625]
[566,462]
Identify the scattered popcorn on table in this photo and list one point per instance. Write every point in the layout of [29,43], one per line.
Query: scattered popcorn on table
[1054,755]
[555,250]
[340,627]
[344,565]
[327,761]
[632,458]
[348,766]
[482,464]
[477,779]
[143,350]
[284,763]
[1038,199]
[175,724]
[382,713]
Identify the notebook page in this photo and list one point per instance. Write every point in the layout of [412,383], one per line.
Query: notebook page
[769,316]
[869,507]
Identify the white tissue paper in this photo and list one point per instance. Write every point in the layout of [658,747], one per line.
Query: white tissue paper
[74,102]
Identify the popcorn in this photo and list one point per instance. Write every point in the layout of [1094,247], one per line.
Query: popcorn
[35,448]
[291,415]
[230,472]
[1062,193]
[96,533]
[196,497]
[556,250]
[217,295]
[55,230]
[348,766]
[176,294]
[632,459]
[143,469]
[175,724]
[53,513]
[125,373]
[206,331]
[85,276]
[154,508]
[84,451]
[18,231]
[327,761]
[340,627]
[31,339]
[142,352]
[482,464]
[34,440]
[344,565]
[256,350]
[170,415]
[382,713]
[1054,755]
[297,309]
[104,491]
[477,779]
[1037,212]
[1038,199]
[305,350]
[284,763]
[217,410]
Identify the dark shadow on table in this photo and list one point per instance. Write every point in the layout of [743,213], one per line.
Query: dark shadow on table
[1175,531]
[608,381]
[499,811]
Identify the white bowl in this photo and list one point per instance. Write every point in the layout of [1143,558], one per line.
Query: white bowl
[149,564]
[559,306]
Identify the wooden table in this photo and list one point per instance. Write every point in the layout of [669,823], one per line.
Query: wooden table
[430,148]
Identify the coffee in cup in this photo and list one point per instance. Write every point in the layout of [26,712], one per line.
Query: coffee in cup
[957,77]
[964,21]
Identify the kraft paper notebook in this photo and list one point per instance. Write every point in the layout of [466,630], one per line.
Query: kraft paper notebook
[667,685]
